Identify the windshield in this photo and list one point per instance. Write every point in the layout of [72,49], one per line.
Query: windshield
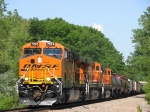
[32,51]
[54,52]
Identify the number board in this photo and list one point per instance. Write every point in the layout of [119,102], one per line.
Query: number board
[50,44]
[34,43]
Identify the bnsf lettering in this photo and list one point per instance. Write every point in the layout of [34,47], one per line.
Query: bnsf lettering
[26,65]
[40,66]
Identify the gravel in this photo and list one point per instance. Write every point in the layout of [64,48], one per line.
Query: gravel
[129,104]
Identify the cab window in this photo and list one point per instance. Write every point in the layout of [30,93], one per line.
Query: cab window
[32,51]
[97,68]
[53,52]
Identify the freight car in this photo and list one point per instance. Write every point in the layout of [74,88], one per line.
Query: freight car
[142,84]
[51,73]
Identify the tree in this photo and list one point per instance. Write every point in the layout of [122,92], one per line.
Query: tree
[139,61]
[14,34]
[141,38]
[2,8]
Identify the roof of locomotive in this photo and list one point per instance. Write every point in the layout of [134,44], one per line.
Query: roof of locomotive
[53,44]
[44,41]
[36,44]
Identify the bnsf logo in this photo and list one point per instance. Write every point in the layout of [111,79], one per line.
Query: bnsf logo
[40,66]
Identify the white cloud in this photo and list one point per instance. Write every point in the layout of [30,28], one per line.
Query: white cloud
[112,32]
[98,27]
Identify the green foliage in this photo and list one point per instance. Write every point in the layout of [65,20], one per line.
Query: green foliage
[147,91]
[14,34]
[2,8]
[7,85]
[9,101]
[139,61]
[139,109]
[8,96]
[138,64]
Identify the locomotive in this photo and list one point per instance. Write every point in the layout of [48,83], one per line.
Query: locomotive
[50,73]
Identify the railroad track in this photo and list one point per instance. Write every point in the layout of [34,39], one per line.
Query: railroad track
[58,107]
[27,109]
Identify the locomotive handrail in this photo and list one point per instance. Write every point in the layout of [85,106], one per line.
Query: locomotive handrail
[19,80]
[31,75]
[56,80]
[86,84]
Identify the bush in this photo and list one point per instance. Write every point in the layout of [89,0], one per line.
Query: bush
[7,82]
[8,95]
[8,101]
[147,91]
[139,109]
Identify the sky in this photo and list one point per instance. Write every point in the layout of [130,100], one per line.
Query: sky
[114,18]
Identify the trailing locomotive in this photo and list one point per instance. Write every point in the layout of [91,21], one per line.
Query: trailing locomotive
[50,73]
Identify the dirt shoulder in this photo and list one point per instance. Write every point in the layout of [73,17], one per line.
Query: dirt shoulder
[129,104]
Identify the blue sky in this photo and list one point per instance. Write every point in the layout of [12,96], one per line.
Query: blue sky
[115,18]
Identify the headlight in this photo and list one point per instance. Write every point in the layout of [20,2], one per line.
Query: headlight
[48,79]
[39,60]
[26,78]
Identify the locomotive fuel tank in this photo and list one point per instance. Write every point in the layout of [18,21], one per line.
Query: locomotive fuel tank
[73,95]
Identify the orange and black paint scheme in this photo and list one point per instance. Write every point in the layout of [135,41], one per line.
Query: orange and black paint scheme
[50,73]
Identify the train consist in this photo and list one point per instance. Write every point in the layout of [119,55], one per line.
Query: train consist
[49,73]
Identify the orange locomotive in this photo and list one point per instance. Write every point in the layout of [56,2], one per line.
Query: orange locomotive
[50,73]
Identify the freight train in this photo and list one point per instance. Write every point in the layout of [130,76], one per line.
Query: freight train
[50,73]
